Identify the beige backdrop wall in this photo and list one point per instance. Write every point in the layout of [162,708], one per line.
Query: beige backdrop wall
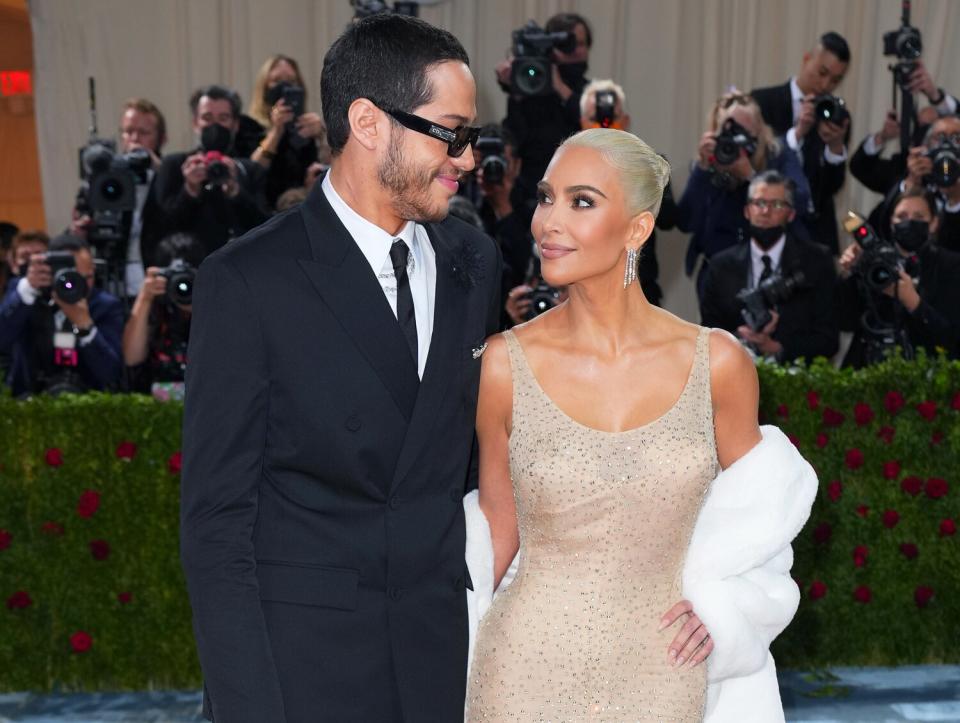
[672,57]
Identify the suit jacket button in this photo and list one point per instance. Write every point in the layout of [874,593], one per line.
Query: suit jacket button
[456,495]
[395,593]
[394,503]
[353,423]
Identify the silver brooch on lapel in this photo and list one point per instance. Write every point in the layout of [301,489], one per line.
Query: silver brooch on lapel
[478,352]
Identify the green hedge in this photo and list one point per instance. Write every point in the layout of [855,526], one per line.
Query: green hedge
[76,473]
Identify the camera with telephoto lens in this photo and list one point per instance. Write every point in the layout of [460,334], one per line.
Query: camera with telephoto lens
[531,73]
[180,276]
[830,108]
[68,283]
[493,161]
[879,263]
[758,302]
[606,104]
[945,157]
[906,45]
[730,140]
[109,188]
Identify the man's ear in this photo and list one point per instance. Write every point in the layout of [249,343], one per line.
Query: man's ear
[368,124]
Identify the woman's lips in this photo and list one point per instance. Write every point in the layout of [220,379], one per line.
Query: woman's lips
[552,251]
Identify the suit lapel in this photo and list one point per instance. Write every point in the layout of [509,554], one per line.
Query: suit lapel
[443,359]
[342,277]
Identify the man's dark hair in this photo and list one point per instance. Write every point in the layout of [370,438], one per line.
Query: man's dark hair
[216,92]
[183,246]
[384,58]
[7,233]
[566,23]
[68,242]
[836,44]
[495,130]
[774,178]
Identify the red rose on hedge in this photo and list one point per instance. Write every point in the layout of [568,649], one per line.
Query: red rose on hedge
[948,528]
[19,600]
[890,519]
[5,538]
[955,403]
[862,414]
[54,457]
[783,411]
[100,549]
[886,434]
[936,438]
[54,529]
[817,589]
[860,553]
[81,641]
[893,402]
[912,485]
[832,418]
[863,510]
[891,469]
[822,440]
[822,533]
[909,550]
[835,490]
[813,399]
[175,462]
[937,488]
[854,459]
[124,597]
[922,595]
[928,410]
[862,594]
[126,450]
[88,503]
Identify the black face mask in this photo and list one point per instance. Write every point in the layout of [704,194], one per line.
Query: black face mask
[766,237]
[572,73]
[216,137]
[911,235]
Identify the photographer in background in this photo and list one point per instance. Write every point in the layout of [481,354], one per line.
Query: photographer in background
[791,281]
[56,343]
[287,137]
[736,146]
[142,128]
[868,165]
[8,232]
[816,126]
[23,245]
[156,334]
[603,104]
[207,192]
[907,295]
[540,122]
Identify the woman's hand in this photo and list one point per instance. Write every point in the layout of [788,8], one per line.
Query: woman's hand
[692,643]
[280,115]
[310,125]
[708,143]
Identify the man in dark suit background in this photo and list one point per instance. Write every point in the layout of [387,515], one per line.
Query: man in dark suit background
[802,325]
[330,410]
[820,145]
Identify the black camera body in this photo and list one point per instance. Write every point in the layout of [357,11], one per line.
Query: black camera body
[180,276]
[493,159]
[879,263]
[730,140]
[109,188]
[606,105]
[543,298]
[531,73]
[758,302]
[830,108]
[946,163]
[68,283]
[904,43]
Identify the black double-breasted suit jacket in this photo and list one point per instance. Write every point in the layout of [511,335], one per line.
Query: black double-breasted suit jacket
[322,528]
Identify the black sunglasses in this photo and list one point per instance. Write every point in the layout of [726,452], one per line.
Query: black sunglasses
[456,139]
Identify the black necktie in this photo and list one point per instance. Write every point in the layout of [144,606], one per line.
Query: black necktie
[405,314]
[767,269]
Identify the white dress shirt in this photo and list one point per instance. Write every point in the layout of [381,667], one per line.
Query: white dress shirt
[756,259]
[135,275]
[374,243]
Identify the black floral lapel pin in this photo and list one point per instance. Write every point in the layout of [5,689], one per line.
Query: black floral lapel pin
[466,266]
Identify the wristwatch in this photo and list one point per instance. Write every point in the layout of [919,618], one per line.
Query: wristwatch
[82,333]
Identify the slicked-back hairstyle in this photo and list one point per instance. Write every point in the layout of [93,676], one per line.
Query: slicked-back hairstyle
[216,92]
[836,44]
[384,58]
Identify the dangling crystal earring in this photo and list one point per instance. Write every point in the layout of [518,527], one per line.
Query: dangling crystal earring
[630,273]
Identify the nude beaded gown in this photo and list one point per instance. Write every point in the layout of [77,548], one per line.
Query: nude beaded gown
[605,520]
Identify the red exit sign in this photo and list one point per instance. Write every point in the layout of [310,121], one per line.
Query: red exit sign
[15,82]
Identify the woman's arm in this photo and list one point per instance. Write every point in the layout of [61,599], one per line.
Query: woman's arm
[494,411]
[736,398]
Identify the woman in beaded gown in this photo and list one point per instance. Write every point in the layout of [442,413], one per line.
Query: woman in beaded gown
[601,424]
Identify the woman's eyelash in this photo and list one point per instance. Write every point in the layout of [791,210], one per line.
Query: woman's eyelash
[542,197]
[580,198]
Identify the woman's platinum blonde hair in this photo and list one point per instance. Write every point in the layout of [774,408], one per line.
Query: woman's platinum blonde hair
[643,171]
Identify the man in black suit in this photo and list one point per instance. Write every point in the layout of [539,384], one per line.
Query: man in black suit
[820,144]
[330,410]
[802,325]
[207,192]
